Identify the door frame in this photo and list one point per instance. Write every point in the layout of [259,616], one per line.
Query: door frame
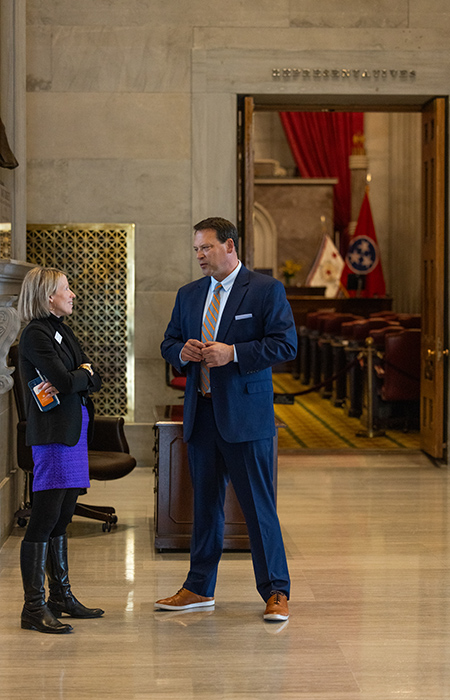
[285,104]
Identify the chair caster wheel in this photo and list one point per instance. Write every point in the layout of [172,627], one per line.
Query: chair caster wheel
[106,527]
[21,522]
[114,520]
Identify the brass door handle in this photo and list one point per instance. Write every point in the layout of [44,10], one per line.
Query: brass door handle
[430,353]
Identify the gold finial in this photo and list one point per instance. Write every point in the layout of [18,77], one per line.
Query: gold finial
[358,148]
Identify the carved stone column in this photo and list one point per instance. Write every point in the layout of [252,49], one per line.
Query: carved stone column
[12,273]
[9,328]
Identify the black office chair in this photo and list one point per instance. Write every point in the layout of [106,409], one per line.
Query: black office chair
[108,453]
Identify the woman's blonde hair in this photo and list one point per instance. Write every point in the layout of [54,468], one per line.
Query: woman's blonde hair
[37,287]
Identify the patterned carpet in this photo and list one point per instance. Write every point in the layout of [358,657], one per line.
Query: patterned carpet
[314,423]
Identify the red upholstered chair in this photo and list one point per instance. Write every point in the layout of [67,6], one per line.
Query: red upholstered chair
[410,320]
[314,345]
[307,361]
[331,325]
[361,329]
[379,334]
[347,330]
[399,384]
[401,380]
[388,315]
[313,318]
[175,379]
[329,342]
[355,333]
[109,454]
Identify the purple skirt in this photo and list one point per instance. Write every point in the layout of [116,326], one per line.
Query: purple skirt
[58,466]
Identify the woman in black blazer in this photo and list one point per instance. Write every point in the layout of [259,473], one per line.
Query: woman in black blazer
[59,422]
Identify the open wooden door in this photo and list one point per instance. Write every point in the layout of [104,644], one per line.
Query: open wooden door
[245,176]
[432,434]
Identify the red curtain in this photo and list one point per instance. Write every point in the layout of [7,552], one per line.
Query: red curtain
[321,143]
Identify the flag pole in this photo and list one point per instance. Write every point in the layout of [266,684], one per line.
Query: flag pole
[344,291]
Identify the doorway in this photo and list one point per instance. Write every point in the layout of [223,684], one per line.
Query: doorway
[429,245]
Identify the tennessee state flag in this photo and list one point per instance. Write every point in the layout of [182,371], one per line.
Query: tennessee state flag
[363,257]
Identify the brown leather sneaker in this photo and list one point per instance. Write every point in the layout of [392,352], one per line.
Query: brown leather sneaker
[277,607]
[183,600]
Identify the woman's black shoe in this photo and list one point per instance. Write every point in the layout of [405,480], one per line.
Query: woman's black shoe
[61,599]
[35,614]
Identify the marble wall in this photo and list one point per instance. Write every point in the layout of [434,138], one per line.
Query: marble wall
[131,113]
[270,141]
[296,209]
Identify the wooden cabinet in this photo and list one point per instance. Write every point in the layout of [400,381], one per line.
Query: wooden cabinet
[173,489]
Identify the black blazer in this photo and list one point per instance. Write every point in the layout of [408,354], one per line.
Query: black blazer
[39,348]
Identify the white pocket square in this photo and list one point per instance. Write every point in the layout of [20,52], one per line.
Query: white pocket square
[240,317]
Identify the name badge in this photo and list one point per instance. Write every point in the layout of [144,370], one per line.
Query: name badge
[58,337]
[240,317]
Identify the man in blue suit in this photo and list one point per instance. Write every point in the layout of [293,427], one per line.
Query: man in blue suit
[227,337]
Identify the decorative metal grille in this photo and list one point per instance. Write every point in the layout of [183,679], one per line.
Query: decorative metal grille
[98,260]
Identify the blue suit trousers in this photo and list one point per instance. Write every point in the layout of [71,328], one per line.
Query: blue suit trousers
[249,465]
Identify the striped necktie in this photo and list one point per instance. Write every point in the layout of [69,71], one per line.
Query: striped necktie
[208,329]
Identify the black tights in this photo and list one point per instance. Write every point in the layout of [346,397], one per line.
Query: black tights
[51,513]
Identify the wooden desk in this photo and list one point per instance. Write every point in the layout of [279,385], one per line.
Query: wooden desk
[173,488]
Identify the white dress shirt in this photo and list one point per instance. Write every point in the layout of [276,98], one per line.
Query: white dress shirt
[227,285]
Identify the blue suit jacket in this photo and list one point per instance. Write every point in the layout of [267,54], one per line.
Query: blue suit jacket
[257,320]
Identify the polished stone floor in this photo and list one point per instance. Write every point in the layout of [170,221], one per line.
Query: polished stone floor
[368,544]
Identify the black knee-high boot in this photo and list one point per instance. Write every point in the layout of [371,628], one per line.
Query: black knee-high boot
[61,599]
[35,613]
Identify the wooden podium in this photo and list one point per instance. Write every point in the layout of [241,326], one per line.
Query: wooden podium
[173,489]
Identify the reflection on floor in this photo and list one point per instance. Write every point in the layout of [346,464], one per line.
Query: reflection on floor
[369,553]
[315,423]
